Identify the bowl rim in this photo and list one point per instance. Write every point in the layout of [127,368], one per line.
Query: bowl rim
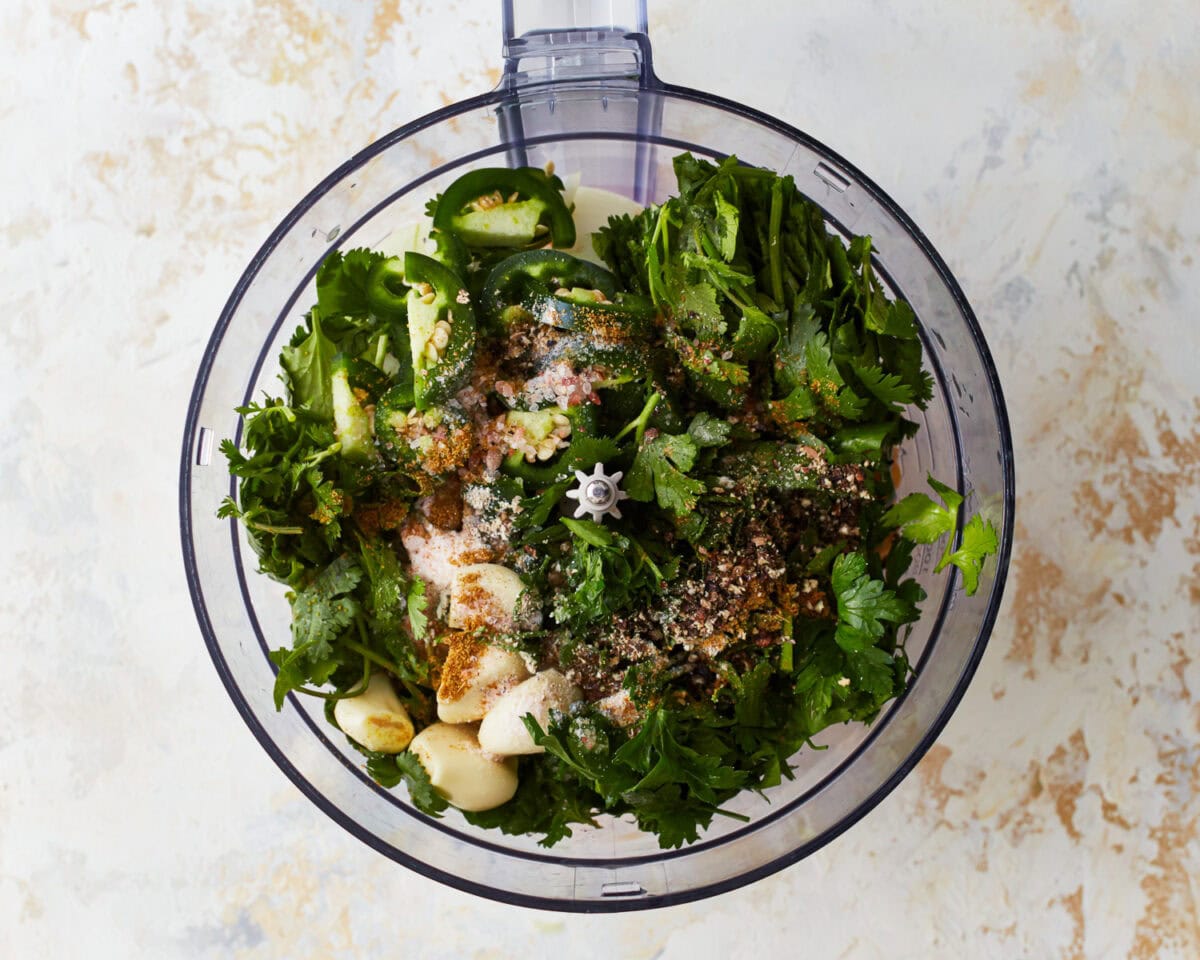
[793,855]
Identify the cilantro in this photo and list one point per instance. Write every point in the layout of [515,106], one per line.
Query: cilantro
[417,603]
[888,388]
[923,520]
[320,613]
[420,790]
[342,281]
[658,473]
[760,385]
[389,585]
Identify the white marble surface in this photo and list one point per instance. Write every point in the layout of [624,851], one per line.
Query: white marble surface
[1049,149]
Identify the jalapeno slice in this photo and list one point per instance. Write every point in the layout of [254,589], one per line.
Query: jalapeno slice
[449,250]
[387,292]
[502,207]
[581,311]
[549,447]
[433,442]
[351,422]
[441,330]
[525,277]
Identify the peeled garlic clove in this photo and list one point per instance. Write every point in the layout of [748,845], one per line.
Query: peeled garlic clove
[503,732]
[491,596]
[375,718]
[459,769]
[474,676]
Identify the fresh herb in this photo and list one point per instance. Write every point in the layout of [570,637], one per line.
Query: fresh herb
[658,473]
[922,520]
[416,608]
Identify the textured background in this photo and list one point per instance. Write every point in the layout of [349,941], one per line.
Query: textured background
[1048,148]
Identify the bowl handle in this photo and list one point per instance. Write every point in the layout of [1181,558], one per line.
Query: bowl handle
[555,41]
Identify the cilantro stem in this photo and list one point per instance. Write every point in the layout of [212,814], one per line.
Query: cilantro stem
[331,450]
[368,654]
[345,694]
[269,528]
[639,423]
[732,816]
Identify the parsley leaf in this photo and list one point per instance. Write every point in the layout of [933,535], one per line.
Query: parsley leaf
[605,573]
[709,431]
[863,604]
[923,520]
[979,541]
[664,759]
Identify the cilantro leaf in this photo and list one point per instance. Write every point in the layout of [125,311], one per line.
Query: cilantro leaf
[420,789]
[658,473]
[887,388]
[893,319]
[826,382]
[342,281]
[417,603]
[389,585]
[863,604]
[323,610]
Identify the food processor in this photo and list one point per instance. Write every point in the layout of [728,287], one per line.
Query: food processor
[578,90]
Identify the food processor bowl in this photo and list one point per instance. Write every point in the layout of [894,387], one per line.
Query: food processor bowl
[579,90]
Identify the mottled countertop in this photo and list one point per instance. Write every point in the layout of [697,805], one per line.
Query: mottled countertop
[1050,151]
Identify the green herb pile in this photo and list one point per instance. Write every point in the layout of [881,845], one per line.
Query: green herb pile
[740,365]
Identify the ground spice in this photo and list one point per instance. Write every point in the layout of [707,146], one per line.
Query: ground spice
[464,652]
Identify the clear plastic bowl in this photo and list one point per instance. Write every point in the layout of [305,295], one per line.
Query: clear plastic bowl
[586,98]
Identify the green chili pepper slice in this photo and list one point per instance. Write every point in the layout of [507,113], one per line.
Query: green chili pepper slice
[502,207]
[525,277]
[441,330]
